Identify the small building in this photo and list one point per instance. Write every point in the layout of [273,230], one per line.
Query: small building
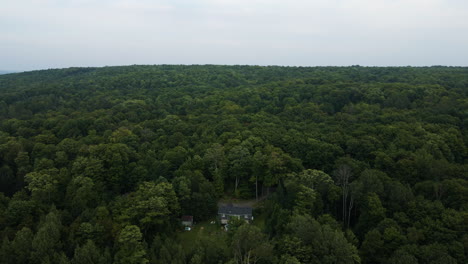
[226,212]
[187,220]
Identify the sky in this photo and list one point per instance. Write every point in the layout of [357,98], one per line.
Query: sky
[42,34]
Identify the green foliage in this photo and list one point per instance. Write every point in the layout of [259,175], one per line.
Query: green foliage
[249,245]
[21,246]
[166,251]
[311,242]
[130,247]
[47,245]
[43,185]
[372,213]
[339,158]
[210,251]
[151,206]
[90,254]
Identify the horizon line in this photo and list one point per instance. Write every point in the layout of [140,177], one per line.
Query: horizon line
[230,65]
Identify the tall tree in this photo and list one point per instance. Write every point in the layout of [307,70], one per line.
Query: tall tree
[249,245]
[311,242]
[239,161]
[342,177]
[21,246]
[90,254]
[47,245]
[130,247]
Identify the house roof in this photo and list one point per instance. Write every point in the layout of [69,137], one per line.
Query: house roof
[187,218]
[232,210]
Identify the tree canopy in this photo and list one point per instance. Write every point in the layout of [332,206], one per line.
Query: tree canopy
[354,164]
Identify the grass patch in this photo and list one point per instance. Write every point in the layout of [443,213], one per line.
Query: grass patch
[200,231]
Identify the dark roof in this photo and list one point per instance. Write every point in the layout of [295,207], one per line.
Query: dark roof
[187,218]
[232,210]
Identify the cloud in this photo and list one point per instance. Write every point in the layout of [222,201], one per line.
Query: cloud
[59,33]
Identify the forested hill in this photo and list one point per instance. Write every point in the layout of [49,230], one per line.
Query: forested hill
[365,164]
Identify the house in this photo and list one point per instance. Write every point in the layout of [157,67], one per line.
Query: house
[187,220]
[226,212]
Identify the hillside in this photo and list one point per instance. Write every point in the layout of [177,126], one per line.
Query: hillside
[364,164]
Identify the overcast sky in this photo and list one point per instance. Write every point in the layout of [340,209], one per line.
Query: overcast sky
[41,34]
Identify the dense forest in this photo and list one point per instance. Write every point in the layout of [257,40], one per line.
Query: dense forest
[357,164]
